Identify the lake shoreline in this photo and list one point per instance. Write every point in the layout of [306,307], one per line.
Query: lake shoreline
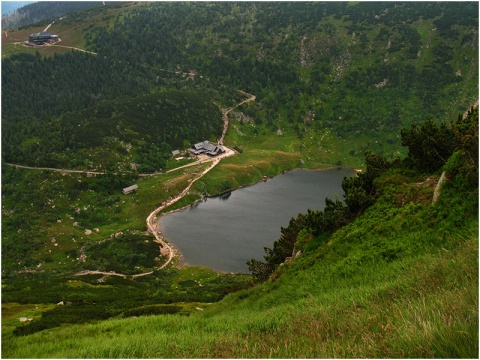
[180,258]
[199,201]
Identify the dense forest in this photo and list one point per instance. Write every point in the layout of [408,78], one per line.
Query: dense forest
[336,59]
[125,131]
[365,69]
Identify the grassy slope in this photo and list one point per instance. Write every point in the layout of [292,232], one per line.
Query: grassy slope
[435,299]
[401,281]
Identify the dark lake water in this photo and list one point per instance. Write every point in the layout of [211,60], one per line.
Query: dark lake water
[222,233]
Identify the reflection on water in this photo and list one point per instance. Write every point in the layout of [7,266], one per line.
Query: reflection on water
[225,196]
[223,235]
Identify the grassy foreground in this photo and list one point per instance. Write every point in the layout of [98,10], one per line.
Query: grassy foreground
[400,281]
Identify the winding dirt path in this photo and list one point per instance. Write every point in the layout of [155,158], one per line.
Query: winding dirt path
[167,249]
[226,111]
[152,225]
[48,27]
[88,172]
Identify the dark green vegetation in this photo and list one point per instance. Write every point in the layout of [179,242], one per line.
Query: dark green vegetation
[91,298]
[323,72]
[125,253]
[369,68]
[386,273]
[118,135]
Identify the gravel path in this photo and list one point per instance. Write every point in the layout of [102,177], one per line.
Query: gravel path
[167,249]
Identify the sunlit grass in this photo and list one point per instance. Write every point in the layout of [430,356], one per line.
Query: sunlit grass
[359,322]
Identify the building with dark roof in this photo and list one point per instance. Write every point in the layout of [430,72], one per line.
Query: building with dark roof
[43,37]
[206,147]
[130,189]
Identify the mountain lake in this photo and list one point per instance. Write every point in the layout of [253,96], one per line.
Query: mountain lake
[223,232]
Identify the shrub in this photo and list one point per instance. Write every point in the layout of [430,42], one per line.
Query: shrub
[153,310]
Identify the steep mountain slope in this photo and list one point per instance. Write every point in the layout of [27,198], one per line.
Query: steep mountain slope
[388,272]
[346,72]
[115,134]
[363,68]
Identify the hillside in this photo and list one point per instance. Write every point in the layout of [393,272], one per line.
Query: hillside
[118,134]
[389,270]
[324,73]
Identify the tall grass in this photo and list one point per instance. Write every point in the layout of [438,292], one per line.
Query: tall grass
[345,299]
